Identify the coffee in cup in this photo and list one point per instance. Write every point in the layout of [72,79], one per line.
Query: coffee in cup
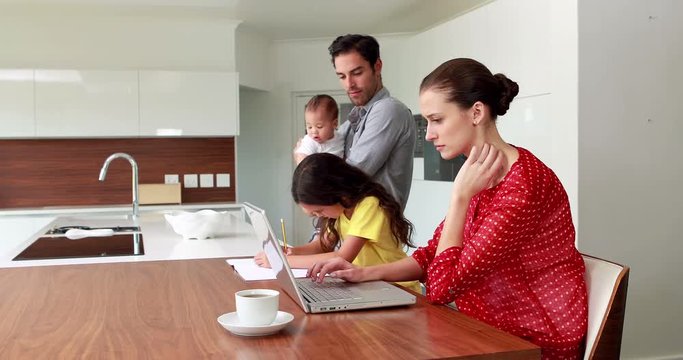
[257,307]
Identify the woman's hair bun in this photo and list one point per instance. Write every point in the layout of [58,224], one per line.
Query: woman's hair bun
[508,90]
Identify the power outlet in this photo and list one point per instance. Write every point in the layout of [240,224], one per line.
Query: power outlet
[222,180]
[190,180]
[171,179]
[206,180]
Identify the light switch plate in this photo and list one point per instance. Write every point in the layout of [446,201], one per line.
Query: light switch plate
[171,179]
[222,180]
[190,180]
[206,180]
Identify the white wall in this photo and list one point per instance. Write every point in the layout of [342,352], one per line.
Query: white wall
[256,180]
[630,166]
[110,38]
[253,59]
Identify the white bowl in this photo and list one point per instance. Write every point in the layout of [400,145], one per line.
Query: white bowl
[202,224]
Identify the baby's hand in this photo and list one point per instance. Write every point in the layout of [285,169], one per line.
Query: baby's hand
[297,155]
[297,146]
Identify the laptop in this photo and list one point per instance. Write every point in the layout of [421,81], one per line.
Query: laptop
[333,294]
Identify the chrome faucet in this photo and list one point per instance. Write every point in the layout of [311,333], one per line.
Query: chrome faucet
[103,174]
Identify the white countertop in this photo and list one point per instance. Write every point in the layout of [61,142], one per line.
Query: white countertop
[91,209]
[160,242]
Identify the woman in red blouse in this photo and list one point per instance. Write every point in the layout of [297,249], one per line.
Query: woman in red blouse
[505,251]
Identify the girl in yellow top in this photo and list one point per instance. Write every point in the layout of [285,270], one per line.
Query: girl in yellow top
[361,221]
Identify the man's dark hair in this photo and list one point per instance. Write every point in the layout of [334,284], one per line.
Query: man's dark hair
[366,45]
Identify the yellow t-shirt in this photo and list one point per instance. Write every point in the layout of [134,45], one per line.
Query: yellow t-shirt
[369,221]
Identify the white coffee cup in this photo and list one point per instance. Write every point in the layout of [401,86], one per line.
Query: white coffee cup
[257,307]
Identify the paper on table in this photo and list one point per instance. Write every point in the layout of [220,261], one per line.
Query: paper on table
[248,270]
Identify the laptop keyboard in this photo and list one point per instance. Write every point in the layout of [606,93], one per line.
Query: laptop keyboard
[327,291]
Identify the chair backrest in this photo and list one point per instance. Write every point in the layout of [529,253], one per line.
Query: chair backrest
[607,284]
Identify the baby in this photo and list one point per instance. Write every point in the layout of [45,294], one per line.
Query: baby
[321,115]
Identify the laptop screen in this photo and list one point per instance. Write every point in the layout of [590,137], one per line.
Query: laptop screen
[264,233]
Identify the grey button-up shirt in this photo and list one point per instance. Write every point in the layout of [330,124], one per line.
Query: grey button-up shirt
[380,140]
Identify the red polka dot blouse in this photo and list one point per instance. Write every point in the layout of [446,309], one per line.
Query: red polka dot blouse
[518,268]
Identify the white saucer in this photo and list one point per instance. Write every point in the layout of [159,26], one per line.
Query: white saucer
[231,322]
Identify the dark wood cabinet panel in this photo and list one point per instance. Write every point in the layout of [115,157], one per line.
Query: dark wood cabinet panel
[64,172]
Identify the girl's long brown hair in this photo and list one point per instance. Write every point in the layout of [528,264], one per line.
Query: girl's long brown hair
[325,179]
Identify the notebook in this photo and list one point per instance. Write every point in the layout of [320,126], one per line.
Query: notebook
[333,294]
[249,271]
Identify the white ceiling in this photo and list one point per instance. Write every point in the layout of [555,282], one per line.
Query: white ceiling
[299,19]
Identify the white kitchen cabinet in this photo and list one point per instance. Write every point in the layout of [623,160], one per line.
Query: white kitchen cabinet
[117,103]
[90,103]
[17,116]
[189,103]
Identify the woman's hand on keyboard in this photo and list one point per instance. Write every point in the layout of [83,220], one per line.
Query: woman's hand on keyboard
[336,267]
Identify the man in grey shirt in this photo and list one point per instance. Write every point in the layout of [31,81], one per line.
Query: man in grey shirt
[380,131]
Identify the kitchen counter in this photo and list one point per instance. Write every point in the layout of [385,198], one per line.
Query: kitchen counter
[124,208]
[159,240]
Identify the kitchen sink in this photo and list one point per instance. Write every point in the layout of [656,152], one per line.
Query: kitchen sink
[125,240]
[117,229]
[60,247]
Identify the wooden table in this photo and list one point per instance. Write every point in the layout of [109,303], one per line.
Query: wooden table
[168,310]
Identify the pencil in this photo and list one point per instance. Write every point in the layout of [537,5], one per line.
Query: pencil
[284,234]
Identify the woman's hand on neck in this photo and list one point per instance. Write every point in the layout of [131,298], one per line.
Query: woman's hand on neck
[484,168]
[489,135]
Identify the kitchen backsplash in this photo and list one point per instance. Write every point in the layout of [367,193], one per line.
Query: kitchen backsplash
[64,172]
